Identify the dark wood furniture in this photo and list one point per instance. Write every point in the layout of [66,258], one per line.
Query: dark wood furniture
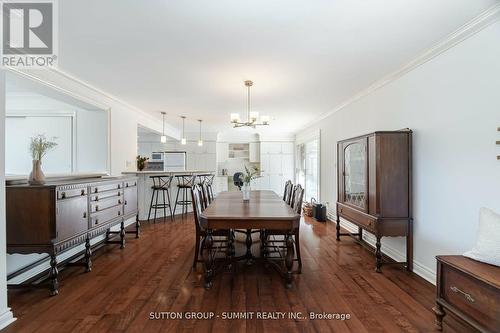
[374,187]
[199,204]
[161,184]
[265,210]
[58,216]
[272,245]
[470,290]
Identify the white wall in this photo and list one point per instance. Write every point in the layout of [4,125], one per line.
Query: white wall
[87,141]
[452,103]
[5,313]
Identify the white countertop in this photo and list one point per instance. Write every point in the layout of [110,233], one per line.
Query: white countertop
[154,172]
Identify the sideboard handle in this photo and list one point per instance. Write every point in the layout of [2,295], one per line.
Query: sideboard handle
[466,295]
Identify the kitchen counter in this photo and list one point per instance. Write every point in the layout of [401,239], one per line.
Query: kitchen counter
[145,192]
[173,173]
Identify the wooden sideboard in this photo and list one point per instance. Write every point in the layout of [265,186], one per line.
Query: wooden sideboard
[59,216]
[374,187]
[470,290]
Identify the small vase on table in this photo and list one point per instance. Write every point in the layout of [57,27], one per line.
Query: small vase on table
[246,192]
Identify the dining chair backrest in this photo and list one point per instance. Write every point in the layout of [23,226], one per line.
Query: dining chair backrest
[298,197]
[287,193]
[197,200]
[296,188]
[207,196]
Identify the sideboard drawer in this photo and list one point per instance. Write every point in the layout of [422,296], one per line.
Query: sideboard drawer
[63,193]
[106,195]
[130,183]
[357,217]
[105,216]
[479,300]
[100,205]
[106,187]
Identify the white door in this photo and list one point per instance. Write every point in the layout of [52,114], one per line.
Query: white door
[287,166]
[18,132]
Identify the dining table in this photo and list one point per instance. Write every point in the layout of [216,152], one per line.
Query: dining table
[265,211]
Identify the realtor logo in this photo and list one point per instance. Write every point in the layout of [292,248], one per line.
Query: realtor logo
[29,33]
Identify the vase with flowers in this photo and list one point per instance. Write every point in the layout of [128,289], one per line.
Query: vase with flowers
[246,178]
[39,147]
[141,162]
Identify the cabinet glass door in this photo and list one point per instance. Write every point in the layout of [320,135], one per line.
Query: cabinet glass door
[355,169]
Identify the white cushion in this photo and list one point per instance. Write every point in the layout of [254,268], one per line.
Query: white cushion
[487,248]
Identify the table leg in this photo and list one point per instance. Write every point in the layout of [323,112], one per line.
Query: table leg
[208,258]
[248,254]
[289,259]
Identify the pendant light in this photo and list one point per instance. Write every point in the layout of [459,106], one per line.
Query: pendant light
[200,141]
[183,139]
[163,137]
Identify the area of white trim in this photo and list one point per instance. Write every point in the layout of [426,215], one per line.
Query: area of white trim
[486,18]
[418,268]
[6,318]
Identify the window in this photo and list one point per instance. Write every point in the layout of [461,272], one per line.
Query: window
[308,167]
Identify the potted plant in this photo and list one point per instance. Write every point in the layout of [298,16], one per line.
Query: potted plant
[246,178]
[39,147]
[141,162]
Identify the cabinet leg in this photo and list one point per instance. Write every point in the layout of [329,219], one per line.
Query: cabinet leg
[122,235]
[360,234]
[338,228]
[54,283]
[88,255]
[289,259]
[439,312]
[137,226]
[208,259]
[378,255]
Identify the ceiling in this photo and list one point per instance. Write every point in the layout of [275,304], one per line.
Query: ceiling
[190,57]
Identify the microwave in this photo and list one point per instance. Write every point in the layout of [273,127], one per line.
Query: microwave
[157,157]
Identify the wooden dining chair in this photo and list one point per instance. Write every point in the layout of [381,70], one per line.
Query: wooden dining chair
[279,237]
[197,200]
[287,193]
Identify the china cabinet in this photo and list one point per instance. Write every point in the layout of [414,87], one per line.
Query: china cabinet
[374,187]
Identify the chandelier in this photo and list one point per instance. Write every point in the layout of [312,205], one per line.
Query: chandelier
[252,116]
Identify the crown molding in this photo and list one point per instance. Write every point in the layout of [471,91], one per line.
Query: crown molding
[486,18]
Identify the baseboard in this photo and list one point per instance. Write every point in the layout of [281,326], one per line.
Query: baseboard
[418,268]
[6,318]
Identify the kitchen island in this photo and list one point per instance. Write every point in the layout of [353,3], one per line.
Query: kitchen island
[145,192]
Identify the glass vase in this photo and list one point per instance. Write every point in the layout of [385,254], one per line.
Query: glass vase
[246,192]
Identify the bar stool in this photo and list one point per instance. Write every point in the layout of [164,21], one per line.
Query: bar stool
[184,184]
[161,184]
[209,180]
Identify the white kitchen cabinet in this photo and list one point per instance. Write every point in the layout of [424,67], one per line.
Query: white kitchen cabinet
[210,147]
[222,151]
[275,166]
[254,152]
[287,148]
[270,147]
[287,166]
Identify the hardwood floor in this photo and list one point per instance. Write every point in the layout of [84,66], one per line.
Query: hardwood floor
[153,274]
